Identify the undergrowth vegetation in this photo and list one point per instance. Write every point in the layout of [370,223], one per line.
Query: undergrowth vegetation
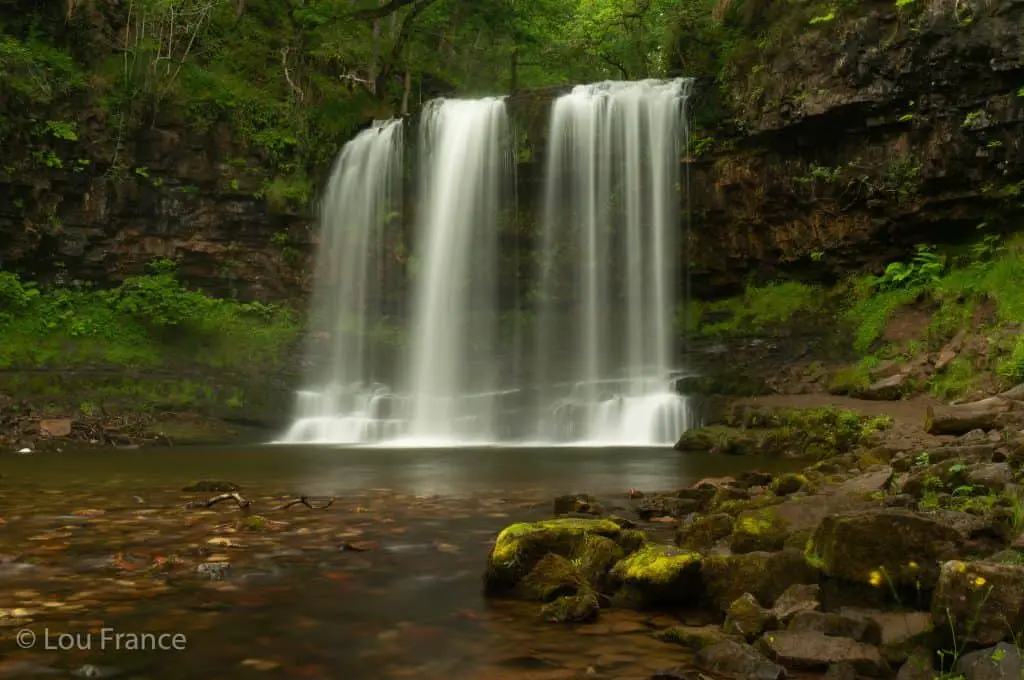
[147,321]
[969,292]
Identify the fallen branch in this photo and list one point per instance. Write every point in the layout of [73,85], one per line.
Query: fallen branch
[304,500]
[242,503]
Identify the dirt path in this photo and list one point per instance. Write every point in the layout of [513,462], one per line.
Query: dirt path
[910,412]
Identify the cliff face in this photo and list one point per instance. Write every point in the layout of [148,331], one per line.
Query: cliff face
[66,213]
[833,146]
[859,138]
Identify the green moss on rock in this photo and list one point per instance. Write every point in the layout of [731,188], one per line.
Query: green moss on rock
[571,609]
[704,531]
[765,575]
[658,574]
[552,577]
[520,547]
[757,530]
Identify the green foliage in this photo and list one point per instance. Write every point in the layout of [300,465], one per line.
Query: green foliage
[823,19]
[760,308]
[147,320]
[957,380]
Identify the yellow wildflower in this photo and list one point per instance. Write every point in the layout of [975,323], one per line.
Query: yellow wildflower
[912,565]
[979,582]
[875,578]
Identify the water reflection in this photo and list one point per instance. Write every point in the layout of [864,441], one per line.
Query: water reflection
[334,471]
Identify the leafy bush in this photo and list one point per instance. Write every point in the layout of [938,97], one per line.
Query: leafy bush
[760,308]
[148,320]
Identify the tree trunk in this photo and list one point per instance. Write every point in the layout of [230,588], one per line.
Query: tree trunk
[988,414]
[406,88]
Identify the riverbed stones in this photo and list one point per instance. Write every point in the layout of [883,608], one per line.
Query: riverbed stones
[887,545]
[738,660]
[814,651]
[801,597]
[981,603]
[837,625]
[746,618]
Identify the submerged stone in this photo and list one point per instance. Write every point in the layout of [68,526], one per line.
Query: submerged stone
[571,609]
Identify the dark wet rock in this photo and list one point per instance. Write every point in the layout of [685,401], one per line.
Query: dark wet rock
[745,480]
[738,660]
[841,671]
[836,625]
[666,506]
[896,545]
[918,666]
[981,603]
[747,618]
[766,575]
[902,632]
[992,476]
[212,486]
[571,609]
[789,483]
[703,531]
[580,504]
[660,574]
[1001,662]
[814,651]
[520,547]
[695,637]
[802,597]
[678,673]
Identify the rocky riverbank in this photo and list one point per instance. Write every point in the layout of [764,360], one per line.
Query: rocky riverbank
[897,552]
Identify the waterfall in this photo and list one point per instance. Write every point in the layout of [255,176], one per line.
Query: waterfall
[466,173]
[596,362]
[608,269]
[360,209]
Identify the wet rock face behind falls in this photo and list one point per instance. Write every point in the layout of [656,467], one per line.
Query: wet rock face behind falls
[849,569]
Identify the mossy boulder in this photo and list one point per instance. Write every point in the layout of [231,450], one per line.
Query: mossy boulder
[765,575]
[571,609]
[552,577]
[704,531]
[659,573]
[879,547]
[719,439]
[520,547]
[758,530]
[789,483]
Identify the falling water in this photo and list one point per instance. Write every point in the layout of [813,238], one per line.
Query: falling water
[608,264]
[359,211]
[466,171]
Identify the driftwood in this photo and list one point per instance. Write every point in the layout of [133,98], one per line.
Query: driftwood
[234,496]
[304,500]
[246,504]
[988,414]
